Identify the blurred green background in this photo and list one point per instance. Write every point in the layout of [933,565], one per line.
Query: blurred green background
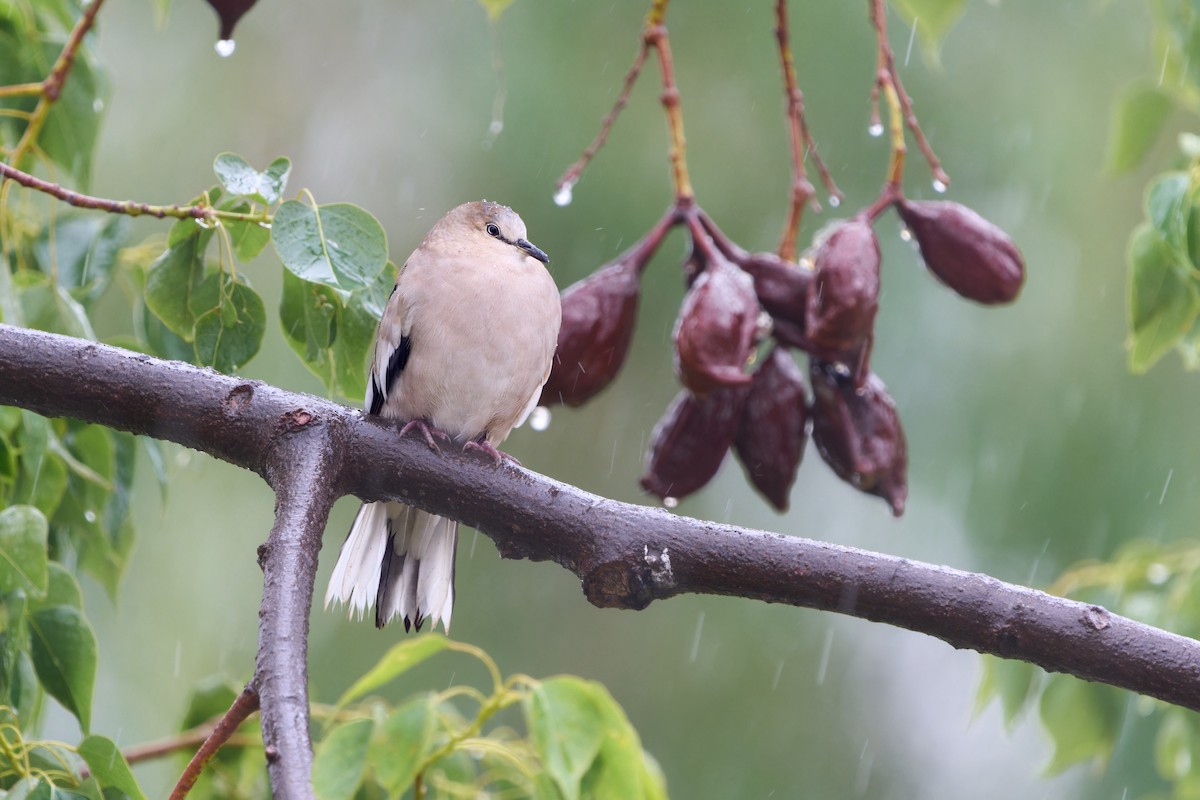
[1030,445]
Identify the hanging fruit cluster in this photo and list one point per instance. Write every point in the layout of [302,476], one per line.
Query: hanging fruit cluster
[745,314]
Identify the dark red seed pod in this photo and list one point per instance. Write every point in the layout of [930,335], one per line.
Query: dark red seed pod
[774,427]
[598,315]
[965,251]
[858,433]
[782,286]
[690,441]
[228,13]
[844,296]
[716,329]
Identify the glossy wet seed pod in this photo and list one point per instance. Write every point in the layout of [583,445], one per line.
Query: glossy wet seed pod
[858,433]
[715,331]
[690,441]
[773,429]
[598,315]
[844,296]
[966,252]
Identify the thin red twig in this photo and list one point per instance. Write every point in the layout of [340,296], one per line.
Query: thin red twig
[245,705]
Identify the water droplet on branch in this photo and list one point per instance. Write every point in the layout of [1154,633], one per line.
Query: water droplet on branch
[562,197]
[939,186]
[876,129]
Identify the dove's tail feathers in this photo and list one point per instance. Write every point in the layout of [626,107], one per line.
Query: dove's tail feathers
[416,579]
[399,559]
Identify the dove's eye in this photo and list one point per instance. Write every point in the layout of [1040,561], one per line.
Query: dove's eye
[493,230]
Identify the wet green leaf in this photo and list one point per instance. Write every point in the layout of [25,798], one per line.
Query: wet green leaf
[1138,118]
[401,744]
[249,238]
[339,245]
[395,662]
[109,766]
[82,252]
[1163,299]
[230,335]
[565,725]
[69,136]
[340,760]
[1082,718]
[1168,206]
[62,589]
[495,8]
[1009,680]
[172,280]
[64,657]
[23,561]
[933,18]
[239,178]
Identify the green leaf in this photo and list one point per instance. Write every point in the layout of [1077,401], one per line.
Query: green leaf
[249,238]
[566,728]
[64,657]
[1163,299]
[82,252]
[495,8]
[62,589]
[1011,681]
[1168,206]
[1173,747]
[1138,118]
[23,561]
[230,335]
[1082,718]
[401,744]
[934,19]
[109,766]
[395,662]
[69,136]
[339,245]
[341,759]
[160,341]
[239,178]
[620,769]
[171,281]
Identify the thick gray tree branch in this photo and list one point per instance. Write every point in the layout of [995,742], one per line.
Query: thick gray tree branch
[312,451]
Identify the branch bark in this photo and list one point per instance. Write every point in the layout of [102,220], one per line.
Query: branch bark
[312,451]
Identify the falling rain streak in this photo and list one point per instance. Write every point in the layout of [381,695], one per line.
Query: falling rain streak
[696,637]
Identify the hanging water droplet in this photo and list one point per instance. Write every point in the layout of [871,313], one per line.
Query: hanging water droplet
[266,225]
[939,186]
[876,129]
[806,262]
[89,515]
[225,47]
[834,201]
[496,127]
[906,234]
[563,196]
[539,418]
[203,223]
[670,502]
